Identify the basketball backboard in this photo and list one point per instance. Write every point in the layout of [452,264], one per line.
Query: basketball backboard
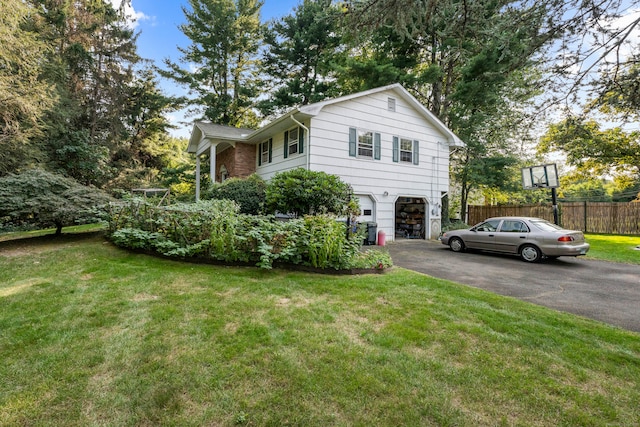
[543,176]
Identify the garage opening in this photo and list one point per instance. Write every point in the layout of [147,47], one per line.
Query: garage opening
[411,218]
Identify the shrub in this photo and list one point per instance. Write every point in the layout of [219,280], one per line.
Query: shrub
[372,259]
[215,229]
[303,192]
[248,193]
[43,199]
[328,245]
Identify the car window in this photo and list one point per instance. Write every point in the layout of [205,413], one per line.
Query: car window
[491,225]
[514,226]
[545,225]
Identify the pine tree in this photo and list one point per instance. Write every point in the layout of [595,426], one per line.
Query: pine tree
[302,50]
[24,97]
[225,37]
[91,64]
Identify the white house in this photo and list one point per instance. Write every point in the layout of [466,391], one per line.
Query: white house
[383,142]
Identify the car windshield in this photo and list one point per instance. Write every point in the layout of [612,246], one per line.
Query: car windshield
[545,225]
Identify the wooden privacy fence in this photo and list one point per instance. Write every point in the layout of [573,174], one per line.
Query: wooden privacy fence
[590,217]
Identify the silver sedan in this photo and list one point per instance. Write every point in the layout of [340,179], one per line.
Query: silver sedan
[530,238]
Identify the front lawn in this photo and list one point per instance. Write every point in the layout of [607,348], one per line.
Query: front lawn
[614,248]
[94,335]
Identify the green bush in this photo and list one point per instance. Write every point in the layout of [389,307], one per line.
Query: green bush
[327,243]
[248,193]
[372,259]
[303,192]
[42,199]
[215,229]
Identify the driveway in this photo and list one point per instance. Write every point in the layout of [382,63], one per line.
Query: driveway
[605,291]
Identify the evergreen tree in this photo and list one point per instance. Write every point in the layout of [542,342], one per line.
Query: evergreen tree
[470,63]
[92,60]
[24,97]
[225,36]
[301,55]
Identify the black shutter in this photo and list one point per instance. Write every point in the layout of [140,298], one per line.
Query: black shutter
[376,146]
[270,148]
[396,149]
[300,140]
[286,144]
[259,154]
[353,136]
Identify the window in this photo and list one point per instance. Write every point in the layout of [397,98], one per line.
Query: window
[293,141]
[391,104]
[365,144]
[489,226]
[406,150]
[264,153]
[511,226]
[224,174]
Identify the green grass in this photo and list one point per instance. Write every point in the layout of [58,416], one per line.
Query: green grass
[94,335]
[614,248]
[37,233]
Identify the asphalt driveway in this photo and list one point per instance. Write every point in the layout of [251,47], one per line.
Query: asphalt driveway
[605,291]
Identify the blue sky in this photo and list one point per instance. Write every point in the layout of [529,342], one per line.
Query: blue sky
[158,21]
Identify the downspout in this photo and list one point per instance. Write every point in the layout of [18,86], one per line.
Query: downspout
[307,138]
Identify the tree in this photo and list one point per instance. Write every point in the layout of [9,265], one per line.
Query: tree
[91,64]
[469,64]
[225,37]
[43,199]
[24,97]
[481,63]
[300,55]
[303,192]
[593,151]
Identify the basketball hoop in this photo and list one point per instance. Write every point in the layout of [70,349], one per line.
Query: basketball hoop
[542,176]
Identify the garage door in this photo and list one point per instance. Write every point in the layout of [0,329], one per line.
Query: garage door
[366,208]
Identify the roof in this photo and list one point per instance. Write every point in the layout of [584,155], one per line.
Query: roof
[205,129]
[226,133]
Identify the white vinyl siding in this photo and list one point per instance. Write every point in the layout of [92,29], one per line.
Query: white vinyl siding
[279,158]
[333,149]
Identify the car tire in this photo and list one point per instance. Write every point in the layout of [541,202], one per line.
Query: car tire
[456,244]
[530,253]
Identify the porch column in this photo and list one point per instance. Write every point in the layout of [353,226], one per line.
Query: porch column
[197,177]
[212,163]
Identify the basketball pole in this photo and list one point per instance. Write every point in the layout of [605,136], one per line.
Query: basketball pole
[554,202]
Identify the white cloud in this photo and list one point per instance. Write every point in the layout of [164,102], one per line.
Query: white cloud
[623,24]
[133,17]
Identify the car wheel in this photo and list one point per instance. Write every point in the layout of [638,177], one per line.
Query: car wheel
[530,253]
[456,244]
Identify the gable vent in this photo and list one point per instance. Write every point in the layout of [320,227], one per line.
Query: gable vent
[391,104]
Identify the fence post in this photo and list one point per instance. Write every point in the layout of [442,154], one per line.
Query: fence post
[585,216]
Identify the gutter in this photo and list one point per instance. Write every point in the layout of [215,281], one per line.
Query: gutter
[308,139]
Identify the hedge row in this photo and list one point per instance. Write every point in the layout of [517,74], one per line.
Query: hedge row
[215,229]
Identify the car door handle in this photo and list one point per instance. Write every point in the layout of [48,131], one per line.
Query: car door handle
[490,235]
[523,237]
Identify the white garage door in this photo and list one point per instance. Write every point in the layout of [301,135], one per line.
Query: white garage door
[366,208]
